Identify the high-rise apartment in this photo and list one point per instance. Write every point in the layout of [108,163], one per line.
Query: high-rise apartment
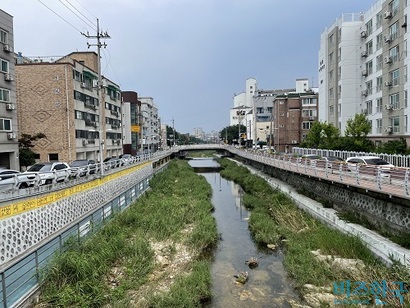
[9,150]
[363,69]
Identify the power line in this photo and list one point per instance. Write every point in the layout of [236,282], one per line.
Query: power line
[59,16]
[85,21]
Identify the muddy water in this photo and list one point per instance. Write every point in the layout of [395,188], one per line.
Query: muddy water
[267,285]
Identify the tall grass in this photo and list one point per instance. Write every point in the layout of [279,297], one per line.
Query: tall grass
[82,276]
[275,219]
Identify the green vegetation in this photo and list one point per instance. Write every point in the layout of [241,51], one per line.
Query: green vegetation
[119,264]
[275,219]
[204,153]
[230,134]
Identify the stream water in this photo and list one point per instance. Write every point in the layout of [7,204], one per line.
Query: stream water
[267,285]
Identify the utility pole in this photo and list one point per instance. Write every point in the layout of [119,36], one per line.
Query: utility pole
[102,132]
[173,129]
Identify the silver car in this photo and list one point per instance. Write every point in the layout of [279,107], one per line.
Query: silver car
[12,179]
[49,172]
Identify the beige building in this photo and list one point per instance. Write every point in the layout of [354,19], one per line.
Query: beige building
[61,98]
[9,150]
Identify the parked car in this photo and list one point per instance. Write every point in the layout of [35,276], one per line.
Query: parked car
[50,172]
[82,167]
[112,162]
[126,159]
[10,179]
[371,164]
[331,162]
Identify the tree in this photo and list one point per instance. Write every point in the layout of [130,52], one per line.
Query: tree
[356,133]
[322,136]
[231,133]
[394,147]
[26,154]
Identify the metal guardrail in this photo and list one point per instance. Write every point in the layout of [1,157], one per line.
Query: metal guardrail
[391,181]
[13,191]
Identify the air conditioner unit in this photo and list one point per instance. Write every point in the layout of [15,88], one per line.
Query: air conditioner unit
[365,72]
[388,107]
[388,129]
[8,77]
[7,48]
[365,92]
[363,34]
[11,136]
[294,141]
[388,83]
[95,83]
[387,38]
[10,106]
[364,53]
[118,141]
[387,60]
[387,15]
[311,118]
[83,85]
[85,141]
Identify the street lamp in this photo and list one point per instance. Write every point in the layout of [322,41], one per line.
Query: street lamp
[100,147]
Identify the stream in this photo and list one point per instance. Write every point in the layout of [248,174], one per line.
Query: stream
[267,284]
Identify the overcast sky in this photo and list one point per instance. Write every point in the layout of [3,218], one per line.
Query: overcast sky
[191,56]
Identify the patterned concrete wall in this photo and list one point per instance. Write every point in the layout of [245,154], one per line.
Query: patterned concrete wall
[25,231]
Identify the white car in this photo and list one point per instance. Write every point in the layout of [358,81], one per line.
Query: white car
[369,165]
[13,179]
[50,172]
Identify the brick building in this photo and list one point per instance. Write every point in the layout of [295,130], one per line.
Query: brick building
[61,98]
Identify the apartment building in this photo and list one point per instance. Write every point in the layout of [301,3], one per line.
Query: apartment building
[151,125]
[9,148]
[293,116]
[62,98]
[131,122]
[363,69]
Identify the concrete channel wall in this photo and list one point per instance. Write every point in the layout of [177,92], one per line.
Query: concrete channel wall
[388,212]
[36,228]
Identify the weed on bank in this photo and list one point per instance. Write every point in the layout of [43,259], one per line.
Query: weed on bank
[111,267]
[275,219]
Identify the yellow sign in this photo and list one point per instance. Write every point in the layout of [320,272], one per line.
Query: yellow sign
[135,128]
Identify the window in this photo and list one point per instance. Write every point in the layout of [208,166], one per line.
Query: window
[369,67]
[308,112]
[394,7]
[369,47]
[405,98]
[379,104]
[379,41]
[394,31]
[331,76]
[379,84]
[379,20]
[394,53]
[395,77]
[331,93]
[4,95]
[77,75]
[339,53]
[331,110]
[395,124]
[369,108]
[369,87]
[369,27]
[339,92]
[405,124]
[4,36]
[378,126]
[405,73]
[394,100]
[5,125]
[331,58]
[331,39]
[404,25]
[4,66]
[339,73]
[307,125]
